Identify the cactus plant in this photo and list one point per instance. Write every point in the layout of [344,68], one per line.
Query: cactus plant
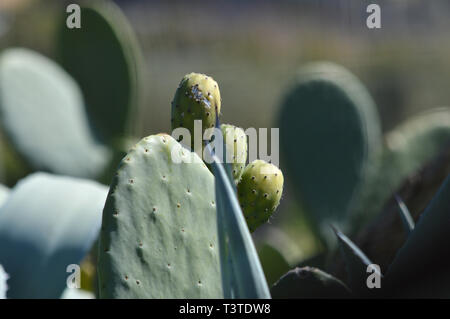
[406,149]
[107,44]
[33,87]
[259,191]
[425,249]
[241,270]
[160,217]
[236,149]
[196,98]
[329,131]
[47,223]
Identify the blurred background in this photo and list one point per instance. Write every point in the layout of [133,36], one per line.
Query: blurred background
[253,50]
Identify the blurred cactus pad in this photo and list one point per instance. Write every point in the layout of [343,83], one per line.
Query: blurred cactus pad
[105,59]
[42,113]
[329,130]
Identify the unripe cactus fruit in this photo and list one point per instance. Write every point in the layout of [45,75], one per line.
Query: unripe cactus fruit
[236,149]
[259,192]
[197,98]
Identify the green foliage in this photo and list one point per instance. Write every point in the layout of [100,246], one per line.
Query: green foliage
[42,113]
[105,59]
[159,231]
[329,131]
[259,191]
[47,223]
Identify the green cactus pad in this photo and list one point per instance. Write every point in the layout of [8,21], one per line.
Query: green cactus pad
[159,230]
[259,192]
[105,59]
[47,223]
[197,98]
[309,282]
[329,129]
[407,148]
[236,149]
[42,113]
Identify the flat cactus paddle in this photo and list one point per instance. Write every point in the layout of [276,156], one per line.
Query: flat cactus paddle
[159,231]
[329,130]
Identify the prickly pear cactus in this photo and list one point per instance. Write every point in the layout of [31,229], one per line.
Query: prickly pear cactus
[329,130]
[159,231]
[197,98]
[105,58]
[259,192]
[43,115]
[47,223]
[407,148]
[236,149]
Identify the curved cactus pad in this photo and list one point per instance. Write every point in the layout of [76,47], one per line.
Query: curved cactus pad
[328,130]
[47,223]
[42,112]
[408,147]
[104,57]
[159,231]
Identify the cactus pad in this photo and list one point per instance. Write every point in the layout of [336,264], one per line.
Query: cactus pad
[197,98]
[160,218]
[329,129]
[259,192]
[47,223]
[105,58]
[236,149]
[42,113]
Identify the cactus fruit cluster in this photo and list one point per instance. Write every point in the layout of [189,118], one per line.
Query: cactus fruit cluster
[161,216]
